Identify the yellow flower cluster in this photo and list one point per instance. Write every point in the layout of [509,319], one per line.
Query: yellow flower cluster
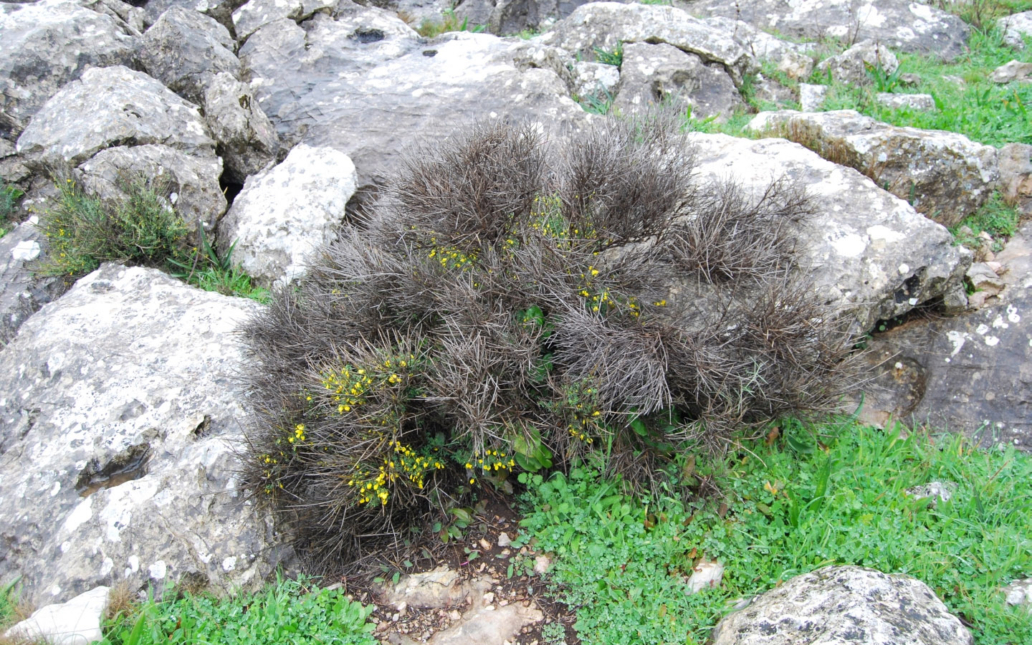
[450,257]
[347,387]
[405,464]
[299,434]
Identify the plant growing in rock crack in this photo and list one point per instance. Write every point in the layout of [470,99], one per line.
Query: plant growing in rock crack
[508,307]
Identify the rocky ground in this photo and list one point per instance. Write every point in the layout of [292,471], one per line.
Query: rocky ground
[272,121]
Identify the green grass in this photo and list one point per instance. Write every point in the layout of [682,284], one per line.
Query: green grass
[968,102]
[208,271]
[448,22]
[803,503]
[9,198]
[994,217]
[8,605]
[286,613]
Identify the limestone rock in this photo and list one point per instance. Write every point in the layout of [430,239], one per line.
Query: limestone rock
[913,102]
[108,107]
[605,24]
[21,292]
[128,17]
[983,278]
[769,91]
[900,24]
[865,251]
[705,575]
[595,78]
[936,491]
[944,175]
[811,97]
[793,59]
[489,625]
[1016,176]
[844,606]
[514,16]
[663,74]
[246,139]
[851,66]
[43,46]
[1011,72]
[220,10]
[362,83]
[255,14]
[75,622]
[1016,28]
[967,373]
[437,589]
[1019,592]
[185,49]
[191,182]
[285,214]
[119,434]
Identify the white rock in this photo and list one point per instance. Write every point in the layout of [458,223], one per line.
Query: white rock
[503,540]
[705,575]
[286,213]
[811,97]
[916,102]
[1015,27]
[937,491]
[76,622]
[1011,72]
[542,564]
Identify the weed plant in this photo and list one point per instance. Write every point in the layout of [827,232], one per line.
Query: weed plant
[995,217]
[212,272]
[506,307]
[787,506]
[9,198]
[285,613]
[448,22]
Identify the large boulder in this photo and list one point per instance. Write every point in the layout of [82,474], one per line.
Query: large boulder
[968,373]
[220,10]
[513,16]
[22,292]
[1016,28]
[865,252]
[185,49]
[944,175]
[851,66]
[794,59]
[900,24]
[363,83]
[119,430]
[43,46]
[604,25]
[255,14]
[193,181]
[246,139]
[663,74]
[845,605]
[286,214]
[109,107]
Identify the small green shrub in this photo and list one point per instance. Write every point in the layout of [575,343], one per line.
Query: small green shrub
[995,217]
[786,506]
[612,56]
[449,22]
[82,232]
[9,198]
[286,613]
[208,271]
[511,307]
[8,605]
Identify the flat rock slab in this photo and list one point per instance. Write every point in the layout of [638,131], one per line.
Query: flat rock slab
[944,175]
[844,606]
[866,252]
[969,374]
[900,24]
[119,433]
[43,46]
[76,622]
[363,84]
[108,107]
[605,25]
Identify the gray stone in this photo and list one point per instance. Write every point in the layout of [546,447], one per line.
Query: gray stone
[128,17]
[663,74]
[705,575]
[438,589]
[900,24]
[185,49]
[489,625]
[12,169]
[794,59]
[774,94]
[867,253]
[1016,176]
[851,66]
[22,293]
[914,102]
[984,278]
[968,374]
[845,605]
[108,107]
[1019,593]
[604,25]
[944,175]
[120,435]
[1016,28]
[286,214]
[191,182]
[330,85]
[245,138]
[43,46]
[220,10]
[1014,71]
[255,14]
[811,97]
[595,78]
[76,622]
[934,491]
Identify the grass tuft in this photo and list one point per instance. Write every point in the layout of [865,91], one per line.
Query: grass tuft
[448,22]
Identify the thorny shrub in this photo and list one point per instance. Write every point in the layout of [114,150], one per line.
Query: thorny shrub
[507,306]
